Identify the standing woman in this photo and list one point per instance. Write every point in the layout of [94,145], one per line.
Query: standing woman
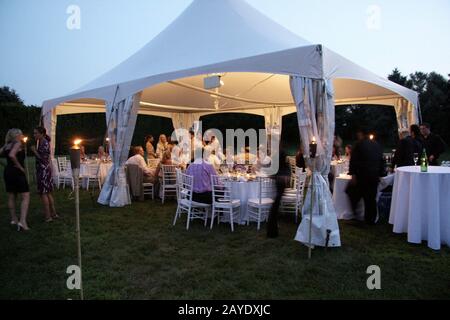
[15,177]
[44,172]
[162,146]
[149,148]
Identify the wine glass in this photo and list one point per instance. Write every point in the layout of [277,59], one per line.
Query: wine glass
[416,158]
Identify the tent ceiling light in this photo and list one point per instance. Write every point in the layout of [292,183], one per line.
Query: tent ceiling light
[212,82]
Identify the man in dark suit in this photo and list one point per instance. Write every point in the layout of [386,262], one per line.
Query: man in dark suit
[404,153]
[432,143]
[366,168]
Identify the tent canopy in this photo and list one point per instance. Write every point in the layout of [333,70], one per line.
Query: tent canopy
[254,56]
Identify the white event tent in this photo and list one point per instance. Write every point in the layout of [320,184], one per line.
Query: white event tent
[267,70]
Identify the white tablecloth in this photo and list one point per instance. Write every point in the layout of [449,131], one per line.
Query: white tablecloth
[243,191]
[421,205]
[103,171]
[341,200]
[338,168]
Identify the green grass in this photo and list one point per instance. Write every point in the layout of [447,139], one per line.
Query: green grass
[135,253]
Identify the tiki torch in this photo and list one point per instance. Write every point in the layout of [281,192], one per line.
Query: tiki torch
[312,155]
[75,156]
[25,140]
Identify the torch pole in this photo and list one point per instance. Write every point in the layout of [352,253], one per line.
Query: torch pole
[312,155]
[77,212]
[26,164]
[311,210]
[75,155]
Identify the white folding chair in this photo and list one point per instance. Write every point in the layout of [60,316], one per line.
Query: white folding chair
[61,163]
[292,199]
[169,181]
[258,209]
[148,189]
[223,206]
[293,167]
[93,175]
[194,210]
[65,173]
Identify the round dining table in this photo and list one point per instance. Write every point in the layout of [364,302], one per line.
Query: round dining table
[421,205]
[243,190]
[341,200]
[102,172]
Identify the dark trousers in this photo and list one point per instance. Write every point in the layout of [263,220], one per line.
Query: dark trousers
[282,181]
[366,188]
[205,197]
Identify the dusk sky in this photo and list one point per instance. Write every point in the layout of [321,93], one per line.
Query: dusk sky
[41,58]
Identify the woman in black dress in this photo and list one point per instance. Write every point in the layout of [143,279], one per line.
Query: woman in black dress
[15,178]
[44,172]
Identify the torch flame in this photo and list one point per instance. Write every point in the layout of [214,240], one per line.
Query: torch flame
[371,137]
[25,139]
[77,142]
[314,140]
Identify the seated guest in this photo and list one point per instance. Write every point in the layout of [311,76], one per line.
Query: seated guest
[138,159]
[83,154]
[202,171]
[348,152]
[215,145]
[149,148]
[245,157]
[162,145]
[229,156]
[335,154]
[102,155]
[337,147]
[262,161]
[211,157]
[166,161]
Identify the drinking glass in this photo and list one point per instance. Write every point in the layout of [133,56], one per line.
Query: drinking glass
[416,158]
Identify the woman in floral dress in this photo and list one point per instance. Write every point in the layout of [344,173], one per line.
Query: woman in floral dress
[44,172]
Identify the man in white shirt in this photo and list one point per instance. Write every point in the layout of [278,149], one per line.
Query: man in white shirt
[211,158]
[138,159]
[216,148]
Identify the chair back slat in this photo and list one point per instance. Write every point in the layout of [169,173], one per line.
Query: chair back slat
[169,174]
[186,187]
[220,189]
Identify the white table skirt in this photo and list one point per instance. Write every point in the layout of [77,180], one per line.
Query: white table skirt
[421,205]
[243,191]
[341,201]
[103,171]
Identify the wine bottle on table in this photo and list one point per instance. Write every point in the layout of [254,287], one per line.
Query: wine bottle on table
[424,161]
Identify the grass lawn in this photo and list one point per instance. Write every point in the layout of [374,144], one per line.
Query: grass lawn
[135,253]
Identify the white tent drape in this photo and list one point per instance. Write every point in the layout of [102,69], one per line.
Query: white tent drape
[315,113]
[49,122]
[122,120]
[273,119]
[184,120]
[401,110]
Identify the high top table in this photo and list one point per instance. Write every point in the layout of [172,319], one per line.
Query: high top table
[421,205]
